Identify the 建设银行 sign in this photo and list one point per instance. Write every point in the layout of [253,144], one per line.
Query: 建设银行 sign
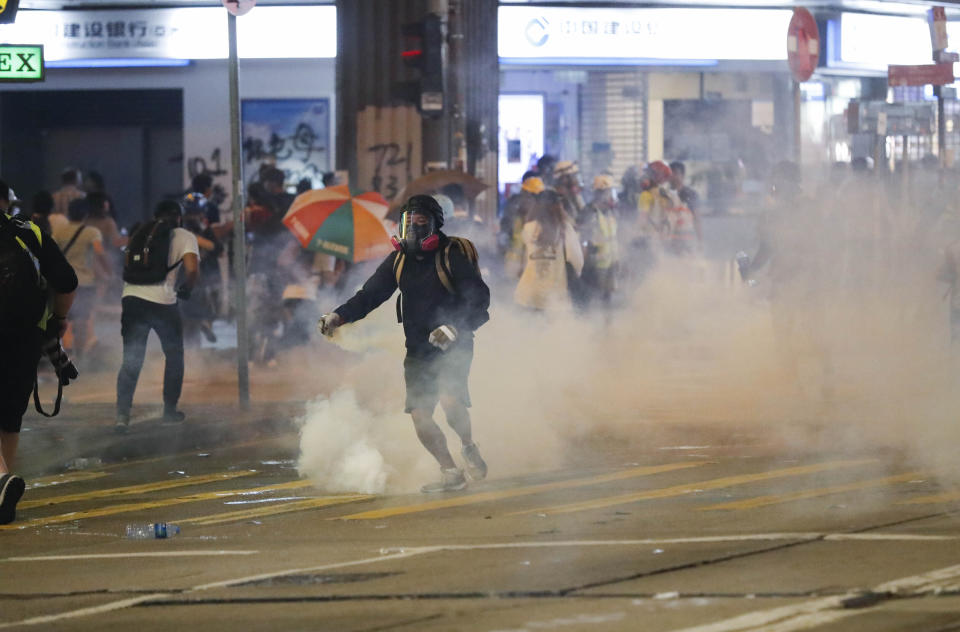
[21,63]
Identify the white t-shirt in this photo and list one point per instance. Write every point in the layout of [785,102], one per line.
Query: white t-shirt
[182,242]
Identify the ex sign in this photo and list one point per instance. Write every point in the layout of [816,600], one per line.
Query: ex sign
[21,63]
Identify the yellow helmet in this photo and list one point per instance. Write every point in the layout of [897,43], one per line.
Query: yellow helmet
[533,185]
[602,182]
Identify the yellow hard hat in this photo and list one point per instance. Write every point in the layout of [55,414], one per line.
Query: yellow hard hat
[566,168]
[602,182]
[533,185]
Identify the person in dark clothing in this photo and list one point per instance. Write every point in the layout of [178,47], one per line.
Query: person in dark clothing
[20,345]
[443,300]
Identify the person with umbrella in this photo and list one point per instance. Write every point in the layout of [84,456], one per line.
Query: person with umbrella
[443,300]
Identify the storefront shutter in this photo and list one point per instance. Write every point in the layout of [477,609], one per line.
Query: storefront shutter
[614,122]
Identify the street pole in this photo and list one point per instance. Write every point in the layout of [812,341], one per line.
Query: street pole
[239,227]
[457,87]
[797,120]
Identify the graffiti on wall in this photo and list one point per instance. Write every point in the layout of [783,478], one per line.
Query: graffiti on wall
[211,165]
[393,168]
[388,149]
[291,134]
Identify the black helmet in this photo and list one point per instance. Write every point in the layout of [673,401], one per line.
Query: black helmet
[424,204]
[419,236]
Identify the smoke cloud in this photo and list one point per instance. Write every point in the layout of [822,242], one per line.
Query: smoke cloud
[842,345]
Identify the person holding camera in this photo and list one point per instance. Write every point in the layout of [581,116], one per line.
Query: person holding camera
[37,286]
[150,302]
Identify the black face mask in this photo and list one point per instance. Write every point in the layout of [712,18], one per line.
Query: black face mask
[417,237]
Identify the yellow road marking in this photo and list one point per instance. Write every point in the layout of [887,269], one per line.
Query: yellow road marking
[679,490]
[773,499]
[134,489]
[502,494]
[188,453]
[63,479]
[110,510]
[932,499]
[279,508]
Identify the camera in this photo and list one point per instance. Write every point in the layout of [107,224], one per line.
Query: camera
[62,364]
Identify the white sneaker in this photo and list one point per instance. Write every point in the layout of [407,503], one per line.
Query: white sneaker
[476,466]
[451,480]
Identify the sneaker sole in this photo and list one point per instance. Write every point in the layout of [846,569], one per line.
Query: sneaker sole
[444,489]
[476,475]
[10,495]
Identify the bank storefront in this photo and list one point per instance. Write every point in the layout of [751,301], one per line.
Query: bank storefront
[141,97]
[622,86]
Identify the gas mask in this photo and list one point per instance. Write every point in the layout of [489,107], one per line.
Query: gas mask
[418,233]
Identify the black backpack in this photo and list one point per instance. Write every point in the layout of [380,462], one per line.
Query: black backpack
[147,253]
[23,296]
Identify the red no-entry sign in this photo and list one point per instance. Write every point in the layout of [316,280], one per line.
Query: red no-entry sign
[803,44]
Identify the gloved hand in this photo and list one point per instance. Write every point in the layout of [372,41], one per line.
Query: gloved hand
[184,292]
[328,323]
[442,337]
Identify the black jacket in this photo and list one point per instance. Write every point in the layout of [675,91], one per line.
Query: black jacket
[425,303]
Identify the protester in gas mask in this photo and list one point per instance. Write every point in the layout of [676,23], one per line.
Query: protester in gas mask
[443,300]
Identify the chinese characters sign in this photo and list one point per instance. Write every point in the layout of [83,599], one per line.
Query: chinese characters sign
[562,33]
[287,32]
[293,134]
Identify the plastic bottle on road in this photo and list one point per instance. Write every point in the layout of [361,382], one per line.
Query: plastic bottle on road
[155,531]
[84,463]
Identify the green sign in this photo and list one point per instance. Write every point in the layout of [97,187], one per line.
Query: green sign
[21,63]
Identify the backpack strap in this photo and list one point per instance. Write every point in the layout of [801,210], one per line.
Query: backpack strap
[398,262]
[444,269]
[73,240]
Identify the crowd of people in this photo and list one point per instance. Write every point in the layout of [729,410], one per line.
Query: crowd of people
[569,253]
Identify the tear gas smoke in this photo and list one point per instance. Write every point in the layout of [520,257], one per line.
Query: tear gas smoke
[842,346]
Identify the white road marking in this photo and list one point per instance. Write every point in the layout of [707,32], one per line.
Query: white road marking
[817,612]
[411,552]
[107,556]
[786,619]
[86,612]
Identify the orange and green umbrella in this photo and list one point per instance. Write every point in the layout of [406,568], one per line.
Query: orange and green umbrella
[340,222]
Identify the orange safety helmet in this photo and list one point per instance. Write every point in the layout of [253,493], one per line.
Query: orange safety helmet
[659,171]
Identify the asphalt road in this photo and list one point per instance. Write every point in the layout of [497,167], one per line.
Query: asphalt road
[733,537]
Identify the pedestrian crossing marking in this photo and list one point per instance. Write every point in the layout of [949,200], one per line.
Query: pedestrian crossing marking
[63,479]
[680,490]
[774,499]
[933,499]
[278,508]
[134,489]
[111,510]
[470,499]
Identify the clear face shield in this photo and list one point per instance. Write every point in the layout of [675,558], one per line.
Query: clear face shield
[417,231]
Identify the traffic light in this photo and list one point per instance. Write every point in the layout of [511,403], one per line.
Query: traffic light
[424,51]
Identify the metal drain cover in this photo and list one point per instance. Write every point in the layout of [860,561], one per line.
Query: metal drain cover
[317,578]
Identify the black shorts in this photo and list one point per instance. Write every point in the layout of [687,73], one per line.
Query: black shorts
[443,373]
[18,372]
